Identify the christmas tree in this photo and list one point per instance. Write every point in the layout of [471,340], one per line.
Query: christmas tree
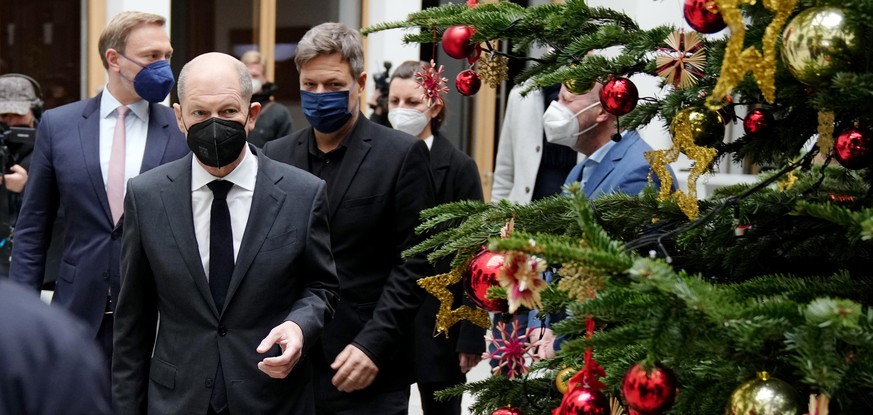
[756,300]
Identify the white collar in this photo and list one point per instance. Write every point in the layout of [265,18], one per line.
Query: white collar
[108,105]
[244,175]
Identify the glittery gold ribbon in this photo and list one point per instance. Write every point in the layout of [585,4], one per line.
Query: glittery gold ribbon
[446,317]
[702,156]
[825,131]
[737,62]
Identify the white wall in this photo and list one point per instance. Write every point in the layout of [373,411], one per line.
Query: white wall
[388,45]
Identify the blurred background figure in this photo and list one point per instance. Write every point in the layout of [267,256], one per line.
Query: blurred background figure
[378,102]
[440,361]
[47,363]
[20,108]
[275,119]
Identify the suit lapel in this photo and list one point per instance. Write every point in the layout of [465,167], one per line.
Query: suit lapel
[157,138]
[357,148]
[267,201]
[440,159]
[89,134]
[607,165]
[300,154]
[177,205]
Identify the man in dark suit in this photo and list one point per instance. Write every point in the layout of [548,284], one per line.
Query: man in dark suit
[48,364]
[440,361]
[378,181]
[85,151]
[231,252]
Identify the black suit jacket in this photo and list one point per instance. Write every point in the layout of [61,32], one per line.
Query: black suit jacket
[284,271]
[456,177]
[48,363]
[382,185]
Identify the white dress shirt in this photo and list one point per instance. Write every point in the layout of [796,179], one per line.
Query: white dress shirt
[239,202]
[429,141]
[136,128]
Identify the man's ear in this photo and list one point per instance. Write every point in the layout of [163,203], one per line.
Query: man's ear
[254,112]
[112,57]
[362,82]
[177,109]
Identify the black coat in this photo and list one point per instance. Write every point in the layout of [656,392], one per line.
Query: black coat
[456,177]
[382,185]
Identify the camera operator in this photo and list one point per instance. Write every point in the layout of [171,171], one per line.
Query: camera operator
[20,107]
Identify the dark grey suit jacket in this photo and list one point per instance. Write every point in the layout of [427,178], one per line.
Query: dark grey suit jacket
[284,272]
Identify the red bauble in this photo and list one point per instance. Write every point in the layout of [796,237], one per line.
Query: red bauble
[649,392]
[583,401]
[507,411]
[467,82]
[619,96]
[456,42]
[482,274]
[703,16]
[853,148]
[758,122]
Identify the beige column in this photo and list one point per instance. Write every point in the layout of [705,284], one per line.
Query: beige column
[94,72]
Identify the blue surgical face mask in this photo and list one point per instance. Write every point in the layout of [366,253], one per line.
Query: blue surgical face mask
[326,111]
[154,82]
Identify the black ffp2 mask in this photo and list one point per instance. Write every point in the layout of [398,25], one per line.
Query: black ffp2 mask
[217,142]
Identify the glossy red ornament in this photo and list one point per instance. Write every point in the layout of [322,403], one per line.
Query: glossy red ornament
[583,401]
[758,121]
[703,16]
[649,391]
[508,410]
[482,274]
[853,148]
[619,96]
[456,42]
[468,82]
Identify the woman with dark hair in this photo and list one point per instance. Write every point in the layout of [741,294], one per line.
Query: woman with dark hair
[440,362]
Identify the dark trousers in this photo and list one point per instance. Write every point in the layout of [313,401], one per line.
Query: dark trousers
[382,403]
[431,406]
[104,341]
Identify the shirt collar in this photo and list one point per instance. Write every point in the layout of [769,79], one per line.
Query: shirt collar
[108,105]
[429,142]
[244,175]
[600,153]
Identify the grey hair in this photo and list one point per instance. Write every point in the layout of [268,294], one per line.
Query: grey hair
[245,80]
[330,38]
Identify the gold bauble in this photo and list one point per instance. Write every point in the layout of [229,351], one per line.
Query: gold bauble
[562,378]
[818,43]
[764,396]
[577,87]
[707,126]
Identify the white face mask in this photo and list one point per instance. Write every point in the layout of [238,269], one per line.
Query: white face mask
[256,86]
[408,120]
[561,126]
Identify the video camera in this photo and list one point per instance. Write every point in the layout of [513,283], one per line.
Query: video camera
[23,135]
[16,135]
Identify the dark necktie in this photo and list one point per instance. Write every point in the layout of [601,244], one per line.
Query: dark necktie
[220,269]
[220,243]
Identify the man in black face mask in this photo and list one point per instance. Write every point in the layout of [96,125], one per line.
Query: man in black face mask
[378,180]
[241,297]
